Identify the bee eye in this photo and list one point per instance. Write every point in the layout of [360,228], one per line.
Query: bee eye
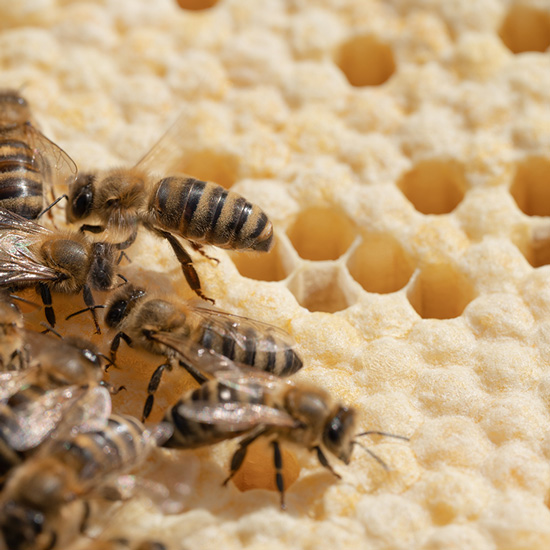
[115,314]
[334,430]
[82,203]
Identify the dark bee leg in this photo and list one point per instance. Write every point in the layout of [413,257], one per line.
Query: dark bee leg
[89,301]
[198,248]
[278,462]
[46,296]
[324,462]
[85,517]
[240,454]
[152,388]
[92,228]
[200,378]
[186,264]
[123,255]
[116,342]
[50,206]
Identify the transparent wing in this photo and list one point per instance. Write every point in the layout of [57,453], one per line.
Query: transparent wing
[242,330]
[56,166]
[17,263]
[235,417]
[165,155]
[11,382]
[76,408]
[213,365]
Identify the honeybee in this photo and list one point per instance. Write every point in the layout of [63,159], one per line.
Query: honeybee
[30,164]
[255,404]
[35,400]
[179,332]
[66,262]
[44,506]
[201,212]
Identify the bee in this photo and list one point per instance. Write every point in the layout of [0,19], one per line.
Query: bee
[178,205]
[179,332]
[43,505]
[65,262]
[30,164]
[254,404]
[126,544]
[33,401]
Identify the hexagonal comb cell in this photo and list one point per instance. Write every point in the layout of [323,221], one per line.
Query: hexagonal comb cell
[525,29]
[530,187]
[271,266]
[321,234]
[366,61]
[434,186]
[379,264]
[440,292]
[325,288]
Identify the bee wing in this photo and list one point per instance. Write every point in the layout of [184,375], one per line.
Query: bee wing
[245,332]
[32,422]
[213,365]
[235,417]
[56,166]
[12,381]
[165,155]
[17,263]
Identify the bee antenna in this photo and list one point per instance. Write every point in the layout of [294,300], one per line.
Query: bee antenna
[124,279]
[25,301]
[374,455]
[80,311]
[386,434]
[110,362]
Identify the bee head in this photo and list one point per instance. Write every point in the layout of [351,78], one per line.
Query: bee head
[338,433]
[81,197]
[122,303]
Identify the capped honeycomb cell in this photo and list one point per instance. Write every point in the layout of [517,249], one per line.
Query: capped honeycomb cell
[379,264]
[434,186]
[324,287]
[530,187]
[321,234]
[196,5]
[440,292]
[366,61]
[525,29]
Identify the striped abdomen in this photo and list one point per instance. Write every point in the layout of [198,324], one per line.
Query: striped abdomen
[189,433]
[260,350]
[206,213]
[21,189]
[119,446]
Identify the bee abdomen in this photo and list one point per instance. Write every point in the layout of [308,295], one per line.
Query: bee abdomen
[205,212]
[21,189]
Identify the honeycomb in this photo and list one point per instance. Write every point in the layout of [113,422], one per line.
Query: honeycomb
[401,148]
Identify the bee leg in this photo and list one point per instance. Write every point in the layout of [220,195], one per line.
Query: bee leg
[198,248]
[186,262]
[278,463]
[92,228]
[85,517]
[240,454]
[116,342]
[50,206]
[89,301]
[46,296]
[324,462]
[152,388]
[200,378]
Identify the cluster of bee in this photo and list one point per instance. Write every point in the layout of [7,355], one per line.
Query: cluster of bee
[60,443]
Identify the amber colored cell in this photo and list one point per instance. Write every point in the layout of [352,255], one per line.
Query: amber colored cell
[322,289]
[261,267]
[440,292]
[321,234]
[196,5]
[530,187]
[366,61]
[526,29]
[258,471]
[434,186]
[379,264]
